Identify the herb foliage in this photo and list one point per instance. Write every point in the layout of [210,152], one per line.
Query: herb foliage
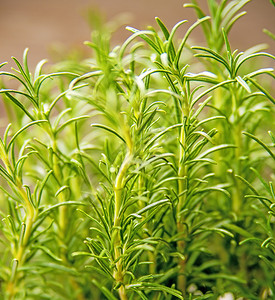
[158,154]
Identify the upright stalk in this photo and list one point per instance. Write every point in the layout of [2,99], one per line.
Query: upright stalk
[119,185]
[182,185]
[118,251]
[237,136]
[62,217]
[20,252]
[26,229]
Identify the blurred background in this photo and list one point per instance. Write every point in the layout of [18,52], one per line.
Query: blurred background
[46,25]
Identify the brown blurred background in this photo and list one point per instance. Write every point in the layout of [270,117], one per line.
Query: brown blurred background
[40,24]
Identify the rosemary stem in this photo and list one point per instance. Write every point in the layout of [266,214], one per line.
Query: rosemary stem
[118,189]
[182,172]
[237,135]
[19,255]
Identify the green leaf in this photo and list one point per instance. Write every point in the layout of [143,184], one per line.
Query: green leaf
[52,207]
[233,20]
[30,97]
[170,47]
[57,267]
[238,230]
[104,290]
[42,187]
[253,56]
[210,119]
[22,233]
[48,252]
[17,103]
[159,203]
[2,64]
[243,84]
[224,277]
[213,55]
[197,8]
[268,262]
[216,148]
[205,135]
[140,294]
[260,198]
[103,226]
[248,184]
[163,28]
[260,143]
[38,69]
[29,195]
[109,129]
[212,189]
[131,38]
[156,137]
[83,77]
[25,73]
[228,49]
[6,175]
[230,10]
[266,242]
[143,35]
[20,163]
[191,28]
[155,287]
[72,120]
[25,62]
[260,178]
[21,130]
[40,80]
[263,90]
[63,188]
[221,84]
[269,33]
[6,134]
[15,76]
[259,72]
[14,269]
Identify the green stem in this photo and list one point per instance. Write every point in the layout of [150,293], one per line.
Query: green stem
[30,215]
[62,217]
[237,135]
[19,255]
[218,102]
[182,172]
[118,252]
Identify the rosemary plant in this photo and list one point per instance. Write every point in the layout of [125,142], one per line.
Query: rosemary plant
[145,171]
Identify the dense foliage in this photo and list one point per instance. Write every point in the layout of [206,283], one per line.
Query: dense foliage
[145,171]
